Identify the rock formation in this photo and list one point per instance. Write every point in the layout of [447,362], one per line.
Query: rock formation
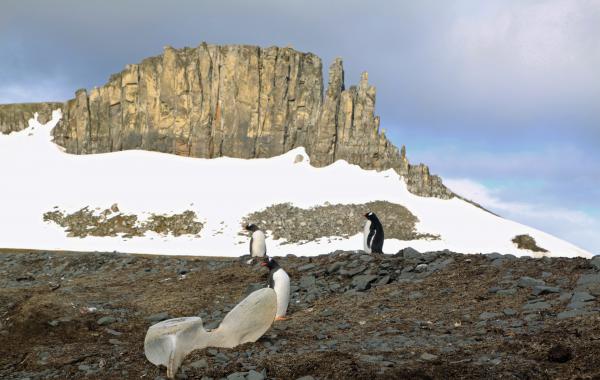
[15,117]
[239,101]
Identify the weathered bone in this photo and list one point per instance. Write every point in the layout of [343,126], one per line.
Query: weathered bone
[170,341]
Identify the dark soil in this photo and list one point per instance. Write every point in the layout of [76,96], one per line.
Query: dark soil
[353,316]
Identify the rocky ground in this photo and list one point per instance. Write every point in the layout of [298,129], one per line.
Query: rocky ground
[353,316]
[296,225]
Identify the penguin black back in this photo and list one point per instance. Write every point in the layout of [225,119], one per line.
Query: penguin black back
[376,235]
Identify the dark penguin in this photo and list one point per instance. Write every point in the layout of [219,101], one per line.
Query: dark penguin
[258,246]
[280,282]
[373,234]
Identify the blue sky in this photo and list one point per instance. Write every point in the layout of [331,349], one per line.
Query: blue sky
[501,98]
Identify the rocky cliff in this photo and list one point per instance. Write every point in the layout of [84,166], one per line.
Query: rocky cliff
[15,117]
[238,101]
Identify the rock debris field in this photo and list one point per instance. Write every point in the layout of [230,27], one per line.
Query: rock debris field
[353,316]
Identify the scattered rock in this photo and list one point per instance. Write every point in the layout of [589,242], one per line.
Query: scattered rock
[542,289]
[363,282]
[307,281]
[528,282]
[428,357]
[155,318]
[489,315]
[106,320]
[199,364]
[595,262]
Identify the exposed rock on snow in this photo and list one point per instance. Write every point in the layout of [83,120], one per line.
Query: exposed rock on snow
[111,222]
[295,224]
[527,242]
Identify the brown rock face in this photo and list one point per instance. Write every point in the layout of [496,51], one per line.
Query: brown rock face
[238,101]
[15,117]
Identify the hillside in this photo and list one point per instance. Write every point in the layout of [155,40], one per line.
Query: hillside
[353,316]
[150,202]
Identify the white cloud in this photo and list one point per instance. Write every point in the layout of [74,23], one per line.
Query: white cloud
[572,225]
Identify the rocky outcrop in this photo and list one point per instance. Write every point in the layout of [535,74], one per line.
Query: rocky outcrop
[15,117]
[238,101]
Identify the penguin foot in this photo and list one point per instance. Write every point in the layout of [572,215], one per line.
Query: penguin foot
[279,318]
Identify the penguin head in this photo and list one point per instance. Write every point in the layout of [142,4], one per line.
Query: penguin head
[269,263]
[251,227]
[371,216]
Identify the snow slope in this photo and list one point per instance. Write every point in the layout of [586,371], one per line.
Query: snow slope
[36,175]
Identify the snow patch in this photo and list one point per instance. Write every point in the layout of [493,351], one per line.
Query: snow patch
[37,176]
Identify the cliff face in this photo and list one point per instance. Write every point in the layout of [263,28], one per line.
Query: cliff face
[15,117]
[238,101]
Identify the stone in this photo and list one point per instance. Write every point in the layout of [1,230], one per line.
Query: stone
[588,279]
[489,315]
[528,282]
[334,267]
[237,376]
[410,253]
[306,378]
[354,271]
[158,317]
[536,305]
[363,282]
[384,280]
[428,357]
[580,300]
[306,267]
[421,268]
[106,320]
[542,289]
[572,313]
[582,297]
[254,375]
[415,295]
[199,364]
[509,312]
[307,281]
[595,262]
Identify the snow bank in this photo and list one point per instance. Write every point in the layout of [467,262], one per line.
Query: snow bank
[37,176]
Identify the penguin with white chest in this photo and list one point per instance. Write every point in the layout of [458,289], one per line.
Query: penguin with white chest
[280,282]
[373,234]
[258,246]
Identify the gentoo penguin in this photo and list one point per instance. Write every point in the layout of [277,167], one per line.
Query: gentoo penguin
[373,234]
[258,247]
[280,282]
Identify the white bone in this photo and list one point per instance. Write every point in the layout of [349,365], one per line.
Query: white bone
[170,341]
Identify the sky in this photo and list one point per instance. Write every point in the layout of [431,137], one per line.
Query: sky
[501,98]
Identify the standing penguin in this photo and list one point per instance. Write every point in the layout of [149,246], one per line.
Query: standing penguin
[258,247]
[280,282]
[373,234]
